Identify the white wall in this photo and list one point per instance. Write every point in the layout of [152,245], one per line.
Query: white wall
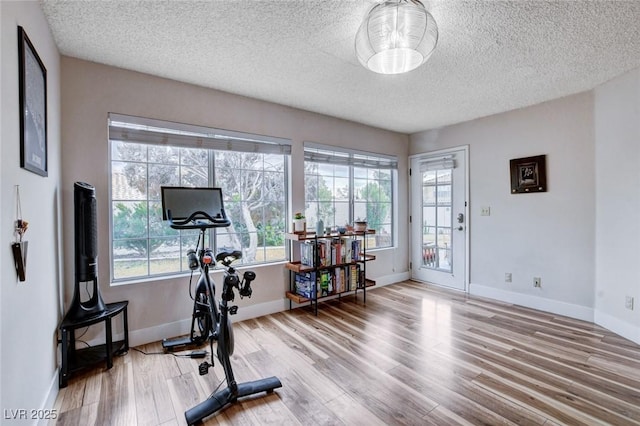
[90,91]
[29,310]
[548,235]
[617,135]
[2,213]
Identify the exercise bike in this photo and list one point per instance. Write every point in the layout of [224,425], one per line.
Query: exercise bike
[212,321]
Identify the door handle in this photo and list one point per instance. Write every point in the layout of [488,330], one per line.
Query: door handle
[460,228]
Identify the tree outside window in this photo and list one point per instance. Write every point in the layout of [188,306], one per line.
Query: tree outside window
[253,187]
[342,193]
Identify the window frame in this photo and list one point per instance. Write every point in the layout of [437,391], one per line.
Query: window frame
[354,160]
[209,139]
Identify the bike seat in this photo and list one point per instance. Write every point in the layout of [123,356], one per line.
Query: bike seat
[223,255]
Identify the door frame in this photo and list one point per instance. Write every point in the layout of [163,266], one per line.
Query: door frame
[445,151]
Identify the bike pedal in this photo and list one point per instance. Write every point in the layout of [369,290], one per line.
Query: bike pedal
[233,310]
[203,368]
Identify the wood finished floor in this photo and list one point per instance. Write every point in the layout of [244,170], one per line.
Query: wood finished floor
[414,354]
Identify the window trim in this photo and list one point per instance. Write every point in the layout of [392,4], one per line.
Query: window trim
[187,136]
[134,129]
[357,159]
[350,157]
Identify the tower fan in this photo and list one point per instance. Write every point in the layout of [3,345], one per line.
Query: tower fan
[86,253]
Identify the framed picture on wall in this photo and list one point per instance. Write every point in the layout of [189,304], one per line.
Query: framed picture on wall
[528,174]
[33,107]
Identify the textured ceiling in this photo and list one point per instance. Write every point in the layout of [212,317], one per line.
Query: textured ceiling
[492,56]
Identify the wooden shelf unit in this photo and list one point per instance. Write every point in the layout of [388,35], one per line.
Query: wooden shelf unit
[296,267]
[74,360]
[295,297]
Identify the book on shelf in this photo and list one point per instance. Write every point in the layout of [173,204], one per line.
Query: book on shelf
[308,253]
[355,249]
[330,251]
[306,284]
[325,252]
[354,276]
[326,282]
[339,280]
[329,281]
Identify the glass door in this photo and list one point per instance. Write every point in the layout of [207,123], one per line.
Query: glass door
[438,219]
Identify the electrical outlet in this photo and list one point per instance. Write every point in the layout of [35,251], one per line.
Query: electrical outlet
[485,211]
[537,282]
[628,302]
[507,277]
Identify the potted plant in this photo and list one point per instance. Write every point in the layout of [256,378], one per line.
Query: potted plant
[299,223]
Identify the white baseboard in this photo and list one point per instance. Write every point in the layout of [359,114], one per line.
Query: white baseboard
[261,309]
[527,300]
[182,327]
[50,400]
[623,328]
[392,279]
[158,332]
[618,326]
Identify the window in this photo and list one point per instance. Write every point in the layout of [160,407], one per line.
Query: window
[342,186]
[147,154]
[437,212]
[437,218]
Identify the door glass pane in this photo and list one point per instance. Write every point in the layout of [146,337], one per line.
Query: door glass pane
[444,248]
[444,176]
[444,194]
[444,217]
[436,219]
[429,219]
[429,178]
[428,194]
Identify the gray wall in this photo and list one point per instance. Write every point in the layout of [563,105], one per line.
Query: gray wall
[582,236]
[617,171]
[29,310]
[161,307]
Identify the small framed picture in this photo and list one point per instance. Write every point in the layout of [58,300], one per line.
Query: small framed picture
[33,107]
[528,174]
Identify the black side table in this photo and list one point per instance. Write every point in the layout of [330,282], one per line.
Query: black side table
[73,359]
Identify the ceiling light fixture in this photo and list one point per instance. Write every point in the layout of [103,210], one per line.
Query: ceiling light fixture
[396,36]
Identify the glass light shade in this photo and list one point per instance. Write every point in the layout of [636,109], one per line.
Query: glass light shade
[396,36]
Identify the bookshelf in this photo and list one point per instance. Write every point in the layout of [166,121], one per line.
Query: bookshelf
[330,265]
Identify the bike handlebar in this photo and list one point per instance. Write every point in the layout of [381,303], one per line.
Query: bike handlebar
[199,220]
